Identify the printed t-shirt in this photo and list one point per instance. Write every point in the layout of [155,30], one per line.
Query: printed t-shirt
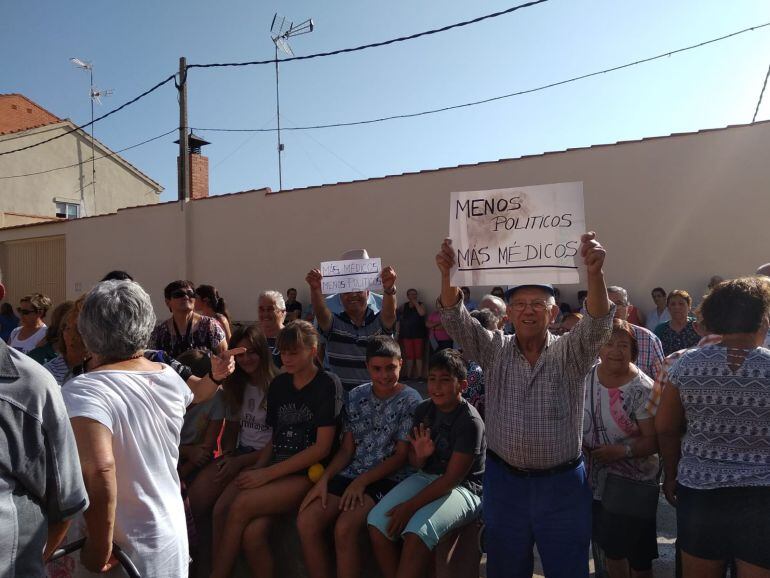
[254,431]
[197,418]
[460,430]
[144,411]
[295,414]
[271,341]
[377,425]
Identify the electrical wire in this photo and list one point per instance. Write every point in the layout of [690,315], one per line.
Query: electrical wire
[496,98]
[112,154]
[374,44]
[761,94]
[97,119]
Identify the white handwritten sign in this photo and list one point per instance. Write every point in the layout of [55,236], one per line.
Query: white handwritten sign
[517,236]
[350,276]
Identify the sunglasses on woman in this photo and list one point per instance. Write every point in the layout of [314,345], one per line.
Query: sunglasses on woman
[180,293]
[25,311]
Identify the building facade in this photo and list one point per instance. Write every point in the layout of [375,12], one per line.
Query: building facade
[55,180]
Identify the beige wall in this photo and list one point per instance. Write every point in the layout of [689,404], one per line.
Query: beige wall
[670,211]
[117,184]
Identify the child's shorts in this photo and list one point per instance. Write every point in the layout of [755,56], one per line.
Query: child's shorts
[376,490]
[432,521]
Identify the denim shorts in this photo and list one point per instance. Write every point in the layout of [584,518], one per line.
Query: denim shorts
[432,521]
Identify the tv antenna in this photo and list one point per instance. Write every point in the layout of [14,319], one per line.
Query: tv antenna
[95,95]
[280,32]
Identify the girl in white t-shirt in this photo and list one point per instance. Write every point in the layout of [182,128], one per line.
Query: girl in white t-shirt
[244,396]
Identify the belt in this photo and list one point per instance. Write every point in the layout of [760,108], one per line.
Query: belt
[532,473]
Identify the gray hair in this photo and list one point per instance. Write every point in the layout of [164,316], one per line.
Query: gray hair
[116,320]
[274,296]
[620,291]
[494,304]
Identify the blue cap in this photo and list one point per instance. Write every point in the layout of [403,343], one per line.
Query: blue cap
[544,286]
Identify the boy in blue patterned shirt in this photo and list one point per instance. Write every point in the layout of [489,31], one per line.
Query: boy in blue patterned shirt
[369,463]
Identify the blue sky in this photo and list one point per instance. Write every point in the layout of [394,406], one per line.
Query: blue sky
[135,44]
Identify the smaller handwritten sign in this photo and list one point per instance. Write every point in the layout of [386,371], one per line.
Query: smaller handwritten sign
[351,276]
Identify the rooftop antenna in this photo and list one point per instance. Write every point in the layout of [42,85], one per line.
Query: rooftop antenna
[280,32]
[95,95]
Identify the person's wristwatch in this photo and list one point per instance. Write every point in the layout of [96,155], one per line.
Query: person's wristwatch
[391,291]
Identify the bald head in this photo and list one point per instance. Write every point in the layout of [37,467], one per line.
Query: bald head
[764,270]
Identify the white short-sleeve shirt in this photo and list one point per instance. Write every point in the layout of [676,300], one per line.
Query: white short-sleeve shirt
[144,410]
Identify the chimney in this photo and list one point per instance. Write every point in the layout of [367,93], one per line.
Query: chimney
[199,167]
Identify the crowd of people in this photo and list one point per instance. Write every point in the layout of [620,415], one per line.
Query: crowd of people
[185,441]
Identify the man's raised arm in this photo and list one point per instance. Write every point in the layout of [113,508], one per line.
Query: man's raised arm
[320,310]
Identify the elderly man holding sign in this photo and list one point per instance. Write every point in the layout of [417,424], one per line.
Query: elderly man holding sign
[535,487]
[347,332]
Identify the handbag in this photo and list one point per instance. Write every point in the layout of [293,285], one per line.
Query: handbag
[625,496]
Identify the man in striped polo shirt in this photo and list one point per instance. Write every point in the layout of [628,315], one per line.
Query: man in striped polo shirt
[347,332]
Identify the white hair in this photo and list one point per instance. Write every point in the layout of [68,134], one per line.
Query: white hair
[275,297]
[620,291]
[116,320]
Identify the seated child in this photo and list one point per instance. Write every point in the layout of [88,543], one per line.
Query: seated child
[301,410]
[448,446]
[242,402]
[370,462]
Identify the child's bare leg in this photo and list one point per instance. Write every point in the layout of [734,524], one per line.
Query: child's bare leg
[415,557]
[386,551]
[256,545]
[219,516]
[276,497]
[312,523]
[347,531]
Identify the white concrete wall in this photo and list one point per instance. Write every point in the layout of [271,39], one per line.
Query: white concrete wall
[117,185]
[670,211]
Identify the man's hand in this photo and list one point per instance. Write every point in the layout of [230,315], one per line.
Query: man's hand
[314,279]
[422,443]
[223,365]
[388,277]
[353,496]
[609,453]
[318,492]
[445,259]
[592,252]
[399,518]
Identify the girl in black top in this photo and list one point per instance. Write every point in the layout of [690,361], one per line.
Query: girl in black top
[301,409]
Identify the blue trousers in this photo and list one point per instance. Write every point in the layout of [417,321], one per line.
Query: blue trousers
[553,512]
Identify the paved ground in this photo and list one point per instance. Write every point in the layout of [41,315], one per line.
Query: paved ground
[663,567]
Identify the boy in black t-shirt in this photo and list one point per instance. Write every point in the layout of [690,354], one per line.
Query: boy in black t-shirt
[448,447]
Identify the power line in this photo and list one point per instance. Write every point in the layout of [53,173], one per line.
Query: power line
[500,97]
[112,154]
[761,94]
[97,119]
[375,44]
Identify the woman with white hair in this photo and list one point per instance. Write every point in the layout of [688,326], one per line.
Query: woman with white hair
[127,414]
[272,315]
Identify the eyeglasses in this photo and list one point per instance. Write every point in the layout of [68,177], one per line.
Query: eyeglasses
[268,309]
[180,293]
[25,311]
[538,305]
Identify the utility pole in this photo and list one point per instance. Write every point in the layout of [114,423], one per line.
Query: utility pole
[278,117]
[184,159]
